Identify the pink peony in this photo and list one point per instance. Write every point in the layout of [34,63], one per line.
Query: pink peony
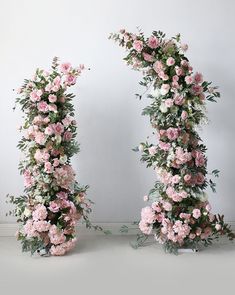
[28,179]
[153,42]
[164,145]
[172,133]
[29,229]
[40,138]
[40,212]
[42,225]
[138,45]
[145,228]
[70,79]
[64,176]
[147,215]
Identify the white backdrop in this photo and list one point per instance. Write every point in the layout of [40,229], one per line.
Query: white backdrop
[110,124]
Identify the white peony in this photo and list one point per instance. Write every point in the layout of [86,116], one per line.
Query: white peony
[163,108]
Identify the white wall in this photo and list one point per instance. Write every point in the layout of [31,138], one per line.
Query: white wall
[32,32]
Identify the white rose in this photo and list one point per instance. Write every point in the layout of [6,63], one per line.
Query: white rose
[164,89]
[58,138]
[155,92]
[63,159]
[27,212]
[163,108]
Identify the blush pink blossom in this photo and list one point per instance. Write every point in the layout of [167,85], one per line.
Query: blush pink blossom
[164,145]
[49,130]
[41,225]
[64,176]
[52,98]
[152,150]
[28,179]
[188,80]
[40,138]
[196,213]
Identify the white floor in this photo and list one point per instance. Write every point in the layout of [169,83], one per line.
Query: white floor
[108,265]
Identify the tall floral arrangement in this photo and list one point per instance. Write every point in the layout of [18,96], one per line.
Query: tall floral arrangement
[53,201]
[180,213]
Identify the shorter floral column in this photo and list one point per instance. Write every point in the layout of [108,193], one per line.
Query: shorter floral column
[53,201]
[179,214]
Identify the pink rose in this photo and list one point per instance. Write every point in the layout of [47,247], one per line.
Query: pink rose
[187,178]
[48,167]
[49,130]
[179,71]
[52,98]
[54,207]
[35,95]
[67,136]
[199,178]
[196,213]
[52,107]
[58,128]
[42,106]
[56,162]
[170,61]
[169,102]
[158,66]
[197,89]
[65,67]
[184,115]
[188,79]
[167,206]
[164,89]
[138,45]
[153,42]
[198,78]
[178,99]
[175,179]
[70,79]
[147,57]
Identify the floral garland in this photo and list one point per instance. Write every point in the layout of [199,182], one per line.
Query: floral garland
[53,201]
[180,214]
